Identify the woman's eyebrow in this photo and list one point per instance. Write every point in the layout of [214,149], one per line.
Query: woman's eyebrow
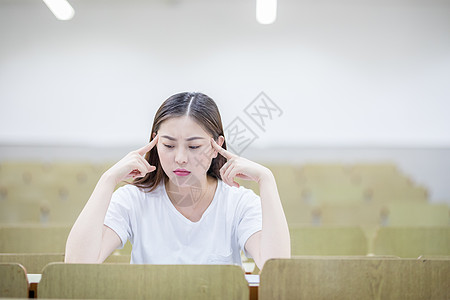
[188,139]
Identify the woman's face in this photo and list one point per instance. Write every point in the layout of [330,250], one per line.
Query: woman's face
[185,151]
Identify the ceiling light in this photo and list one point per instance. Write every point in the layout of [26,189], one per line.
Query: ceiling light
[61,9]
[266,11]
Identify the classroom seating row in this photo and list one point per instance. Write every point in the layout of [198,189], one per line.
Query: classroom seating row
[311,184]
[390,214]
[289,189]
[340,184]
[38,172]
[34,263]
[295,278]
[399,241]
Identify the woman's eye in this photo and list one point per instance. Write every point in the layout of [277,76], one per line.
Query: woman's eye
[192,147]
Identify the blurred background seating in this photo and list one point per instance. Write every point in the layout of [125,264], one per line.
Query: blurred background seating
[331,209]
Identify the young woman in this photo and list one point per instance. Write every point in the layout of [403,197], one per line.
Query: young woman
[183,206]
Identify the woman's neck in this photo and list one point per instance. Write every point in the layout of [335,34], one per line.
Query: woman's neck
[191,195]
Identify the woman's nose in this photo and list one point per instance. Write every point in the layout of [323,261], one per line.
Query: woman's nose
[181,156]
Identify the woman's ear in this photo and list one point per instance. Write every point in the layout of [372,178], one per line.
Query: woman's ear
[153,136]
[220,142]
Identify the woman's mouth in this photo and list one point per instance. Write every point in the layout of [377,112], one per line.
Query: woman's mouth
[181,172]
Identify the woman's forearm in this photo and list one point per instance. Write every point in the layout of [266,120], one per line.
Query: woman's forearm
[85,239]
[275,238]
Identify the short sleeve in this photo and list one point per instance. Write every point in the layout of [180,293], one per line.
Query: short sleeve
[118,214]
[250,217]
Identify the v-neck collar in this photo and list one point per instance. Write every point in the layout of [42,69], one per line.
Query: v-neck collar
[179,214]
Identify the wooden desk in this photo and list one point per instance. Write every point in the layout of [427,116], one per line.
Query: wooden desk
[253,285]
[33,280]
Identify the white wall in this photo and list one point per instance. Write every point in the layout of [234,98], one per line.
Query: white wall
[347,73]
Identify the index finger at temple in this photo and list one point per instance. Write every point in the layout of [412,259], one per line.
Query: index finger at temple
[221,150]
[148,147]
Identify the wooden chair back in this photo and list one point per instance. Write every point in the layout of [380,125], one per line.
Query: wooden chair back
[355,278]
[328,241]
[14,282]
[33,239]
[34,263]
[125,281]
[412,242]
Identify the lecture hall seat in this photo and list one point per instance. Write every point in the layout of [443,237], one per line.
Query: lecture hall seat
[355,278]
[94,281]
[14,282]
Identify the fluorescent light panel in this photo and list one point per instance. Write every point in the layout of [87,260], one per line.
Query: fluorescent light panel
[61,9]
[266,11]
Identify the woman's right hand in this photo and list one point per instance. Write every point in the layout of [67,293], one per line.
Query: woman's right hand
[133,165]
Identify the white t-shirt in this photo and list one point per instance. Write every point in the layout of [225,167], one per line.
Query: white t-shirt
[160,234]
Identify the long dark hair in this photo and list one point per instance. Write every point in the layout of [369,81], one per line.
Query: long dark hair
[204,111]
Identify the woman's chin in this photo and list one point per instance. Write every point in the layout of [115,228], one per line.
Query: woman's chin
[185,181]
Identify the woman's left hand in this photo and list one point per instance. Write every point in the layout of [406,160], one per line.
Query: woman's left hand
[240,167]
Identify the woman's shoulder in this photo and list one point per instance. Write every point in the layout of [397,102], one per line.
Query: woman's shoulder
[237,200]
[235,192]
